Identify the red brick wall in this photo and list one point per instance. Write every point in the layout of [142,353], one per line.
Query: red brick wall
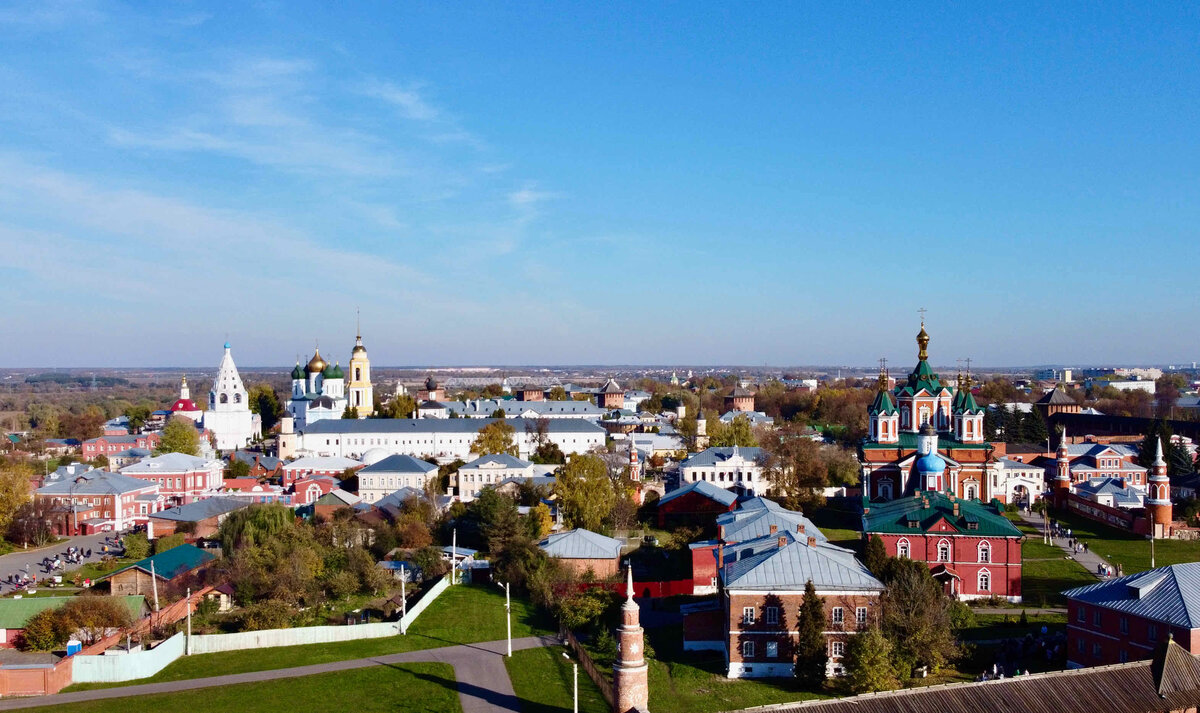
[1005,565]
[788,604]
[690,506]
[1137,640]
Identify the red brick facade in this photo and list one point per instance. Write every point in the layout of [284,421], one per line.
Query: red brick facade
[965,556]
[1098,636]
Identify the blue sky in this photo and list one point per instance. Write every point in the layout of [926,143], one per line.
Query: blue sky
[505,183]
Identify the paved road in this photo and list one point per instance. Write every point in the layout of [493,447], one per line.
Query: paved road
[17,561]
[1089,560]
[482,680]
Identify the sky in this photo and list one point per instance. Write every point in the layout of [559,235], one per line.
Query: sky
[598,183]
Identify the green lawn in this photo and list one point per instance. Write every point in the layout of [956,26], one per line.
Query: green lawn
[1130,551]
[842,527]
[541,679]
[461,615]
[1046,571]
[415,687]
[994,626]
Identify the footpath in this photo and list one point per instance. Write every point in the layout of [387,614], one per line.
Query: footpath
[481,678]
[1090,560]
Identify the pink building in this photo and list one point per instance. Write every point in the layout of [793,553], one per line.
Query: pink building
[107,445]
[181,478]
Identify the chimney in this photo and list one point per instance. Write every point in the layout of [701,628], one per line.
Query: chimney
[720,557]
[774,528]
[812,541]
[782,542]
[800,528]
[955,509]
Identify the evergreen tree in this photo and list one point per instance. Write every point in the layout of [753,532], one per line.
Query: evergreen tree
[876,556]
[1033,427]
[351,412]
[1158,431]
[811,656]
[868,662]
[991,425]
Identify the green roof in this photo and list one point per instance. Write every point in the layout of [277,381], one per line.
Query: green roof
[968,403]
[893,517]
[15,613]
[172,563]
[883,403]
[333,371]
[298,372]
[922,377]
[909,440]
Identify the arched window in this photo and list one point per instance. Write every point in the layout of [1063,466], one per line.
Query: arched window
[971,494]
[943,552]
[985,580]
[985,551]
[237,398]
[924,415]
[902,548]
[224,398]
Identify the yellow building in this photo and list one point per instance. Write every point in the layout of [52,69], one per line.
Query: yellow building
[359,390]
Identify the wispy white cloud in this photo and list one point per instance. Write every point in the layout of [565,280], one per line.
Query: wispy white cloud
[530,196]
[407,100]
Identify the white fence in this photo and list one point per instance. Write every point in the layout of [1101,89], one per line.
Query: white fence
[129,667]
[111,668]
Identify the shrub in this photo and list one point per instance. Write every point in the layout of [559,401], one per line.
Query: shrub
[270,614]
[43,632]
[136,546]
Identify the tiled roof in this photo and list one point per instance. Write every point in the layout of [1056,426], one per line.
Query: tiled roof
[717,455]
[1168,594]
[893,516]
[701,487]
[201,509]
[763,564]
[581,544]
[399,464]
[754,518]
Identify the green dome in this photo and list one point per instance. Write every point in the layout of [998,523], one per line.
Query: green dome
[334,372]
[298,372]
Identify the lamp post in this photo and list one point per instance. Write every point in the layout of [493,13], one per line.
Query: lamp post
[507,614]
[575,691]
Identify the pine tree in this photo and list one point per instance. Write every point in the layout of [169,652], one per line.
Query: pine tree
[1033,427]
[811,656]
[876,556]
[868,662]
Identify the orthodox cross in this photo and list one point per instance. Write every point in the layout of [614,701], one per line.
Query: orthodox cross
[922,311]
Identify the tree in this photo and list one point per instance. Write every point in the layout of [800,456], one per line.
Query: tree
[736,433]
[45,631]
[868,662]
[255,525]
[265,402]
[549,453]
[237,469]
[498,518]
[876,556]
[180,436]
[496,437]
[558,393]
[137,416]
[399,406]
[162,544]
[542,521]
[797,467]
[916,617]
[585,491]
[33,523]
[811,656]
[136,546]
[498,413]
[14,489]
[94,616]
[1033,427]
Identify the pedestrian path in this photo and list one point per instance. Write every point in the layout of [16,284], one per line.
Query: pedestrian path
[481,678]
[1090,560]
[30,561]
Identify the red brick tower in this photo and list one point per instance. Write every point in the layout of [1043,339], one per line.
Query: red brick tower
[635,467]
[1158,502]
[630,683]
[1062,479]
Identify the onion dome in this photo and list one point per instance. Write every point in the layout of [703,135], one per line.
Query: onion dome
[298,372]
[358,346]
[334,372]
[184,405]
[931,463]
[431,383]
[316,365]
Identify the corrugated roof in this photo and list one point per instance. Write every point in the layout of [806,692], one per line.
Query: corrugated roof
[763,564]
[14,613]
[172,563]
[718,455]
[201,509]
[701,487]
[1168,594]
[754,518]
[893,516]
[96,482]
[581,544]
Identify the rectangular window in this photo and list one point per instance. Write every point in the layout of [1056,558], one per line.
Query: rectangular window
[1152,632]
[837,648]
[1124,656]
[772,649]
[747,649]
[1124,625]
[1081,615]
[1096,617]
[839,615]
[771,615]
[1096,651]
[747,615]
[1079,645]
[860,616]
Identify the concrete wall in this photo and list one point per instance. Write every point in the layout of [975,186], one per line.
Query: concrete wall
[212,643]
[127,667]
[407,620]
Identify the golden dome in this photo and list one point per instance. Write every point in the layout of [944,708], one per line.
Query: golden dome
[316,365]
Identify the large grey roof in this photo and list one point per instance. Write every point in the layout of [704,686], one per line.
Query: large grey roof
[754,518]
[202,509]
[95,482]
[1122,494]
[1168,594]
[397,498]
[701,487]
[719,454]
[348,426]
[399,464]
[762,564]
[167,463]
[1094,449]
[581,544]
[503,459]
[486,407]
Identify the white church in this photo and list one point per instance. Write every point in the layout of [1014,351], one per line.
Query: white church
[228,417]
[318,391]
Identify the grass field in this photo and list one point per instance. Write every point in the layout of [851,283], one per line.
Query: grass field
[414,687]
[1045,570]
[461,615]
[1130,551]
[994,626]
[842,527]
[541,678]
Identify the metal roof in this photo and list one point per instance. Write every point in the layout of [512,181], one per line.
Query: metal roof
[201,509]
[701,487]
[399,464]
[718,455]
[501,459]
[581,544]
[1168,594]
[754,518]
[96,482]
[764,563]
[927,508]
[172,563]
[170,463]
[322,462]
[348,426]
[15,613]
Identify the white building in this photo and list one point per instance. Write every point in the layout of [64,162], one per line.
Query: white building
[391,473]
[490,470]
[484,408]
[228,416]
[726,467]
[443,439]
[318,391]
[181,478]
[1020,483]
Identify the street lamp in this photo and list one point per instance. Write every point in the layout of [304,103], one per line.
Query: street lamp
[575,693]
[507,614]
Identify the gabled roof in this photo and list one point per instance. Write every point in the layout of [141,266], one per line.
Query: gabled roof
[15,613]
[581,544]
[1057,397]
[610,387]
[498,459]
[701,487]
[1120,492]
[172,563]
[928,508]
[397,498]
[250,458]
[201,509]
[95,482]
[399,464]
[883,403]
[348,426]
[1168,594]
[323,462]
[337,496]
[168,463]
[763,563]
[720,454]
[754,518]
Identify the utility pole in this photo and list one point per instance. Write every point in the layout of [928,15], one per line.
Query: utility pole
[454,556]
[154,583]
[188,648]
[507,614]
[403,601]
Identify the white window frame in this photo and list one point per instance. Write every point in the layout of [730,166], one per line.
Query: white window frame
[747,649]
[983,580]
[837,615]
[748,615]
